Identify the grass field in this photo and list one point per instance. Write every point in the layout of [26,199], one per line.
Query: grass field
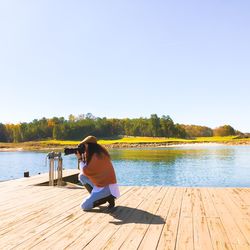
[125,141]
[172,140]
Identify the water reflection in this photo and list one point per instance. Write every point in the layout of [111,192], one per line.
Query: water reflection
[184,166]
[170,155]
[198,165]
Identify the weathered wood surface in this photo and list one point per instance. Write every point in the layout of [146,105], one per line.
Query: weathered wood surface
[42,217]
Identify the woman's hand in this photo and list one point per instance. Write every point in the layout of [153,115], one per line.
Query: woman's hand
[79,156]
[82,157]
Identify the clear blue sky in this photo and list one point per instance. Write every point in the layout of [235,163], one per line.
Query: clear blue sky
[130,58]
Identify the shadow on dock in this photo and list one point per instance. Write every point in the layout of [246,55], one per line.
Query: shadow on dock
[127,215]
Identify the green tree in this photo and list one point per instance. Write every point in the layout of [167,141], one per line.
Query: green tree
[3,133]
[180,131]
[155,125]
[167,126]
[58,132]
[17,133]
[72,118]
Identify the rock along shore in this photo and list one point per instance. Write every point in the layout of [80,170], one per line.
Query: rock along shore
[119,145]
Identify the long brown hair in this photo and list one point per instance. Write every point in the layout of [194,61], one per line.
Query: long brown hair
[95,148]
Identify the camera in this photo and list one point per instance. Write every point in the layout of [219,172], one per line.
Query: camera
[69,151]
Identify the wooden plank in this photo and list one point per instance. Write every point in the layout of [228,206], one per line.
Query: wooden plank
[240,217]
[198,207]
[136,235]
[128,218]
[84,228]
[69,228]
[28,198]
[170,229]
[18,192]
[153,233]
[201,234]
[19,212]
[20,195]
[60,217]
[239,247]
[219,237]
[17,232]
[234,234]
[185,229]
[124,217]
[245,196]
[208,204]
[187,203]
[185,234]
[234,193]
[59,211]
[195,218]
[15,187]
[37,179]
[40,214]
[236,207]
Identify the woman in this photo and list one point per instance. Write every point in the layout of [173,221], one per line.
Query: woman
[97,174]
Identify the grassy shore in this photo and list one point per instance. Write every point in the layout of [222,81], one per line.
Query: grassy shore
[125,142]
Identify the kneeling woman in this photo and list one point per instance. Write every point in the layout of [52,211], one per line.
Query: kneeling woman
[97,175]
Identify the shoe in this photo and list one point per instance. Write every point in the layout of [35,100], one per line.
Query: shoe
[110,199]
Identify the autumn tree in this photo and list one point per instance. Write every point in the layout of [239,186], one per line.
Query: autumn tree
[224,130]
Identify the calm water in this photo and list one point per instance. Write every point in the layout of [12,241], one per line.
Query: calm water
[199,165]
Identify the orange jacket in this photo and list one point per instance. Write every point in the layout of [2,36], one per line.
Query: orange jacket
[100,171]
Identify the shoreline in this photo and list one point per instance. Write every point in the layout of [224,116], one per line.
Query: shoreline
[175,144]
[127,145]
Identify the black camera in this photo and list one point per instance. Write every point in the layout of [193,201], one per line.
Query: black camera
[69,151]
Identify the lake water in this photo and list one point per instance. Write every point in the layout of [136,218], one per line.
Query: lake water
[193,165]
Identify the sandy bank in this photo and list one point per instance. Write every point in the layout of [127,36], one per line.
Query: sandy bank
[10,149]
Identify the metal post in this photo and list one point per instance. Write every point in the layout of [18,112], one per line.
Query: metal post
[51,172]
[59,169]
[55,157]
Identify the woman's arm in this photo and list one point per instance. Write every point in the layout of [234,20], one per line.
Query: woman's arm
[82,163]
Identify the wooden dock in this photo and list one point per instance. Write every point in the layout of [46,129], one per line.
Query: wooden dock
[43,217]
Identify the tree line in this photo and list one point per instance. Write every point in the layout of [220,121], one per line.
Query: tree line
[77,127]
